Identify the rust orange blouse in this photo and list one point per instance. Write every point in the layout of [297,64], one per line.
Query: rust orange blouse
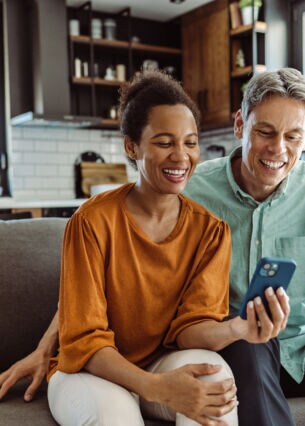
[120,289]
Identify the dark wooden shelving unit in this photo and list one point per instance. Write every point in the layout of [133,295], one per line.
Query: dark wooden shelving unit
[94,95]
[250,39]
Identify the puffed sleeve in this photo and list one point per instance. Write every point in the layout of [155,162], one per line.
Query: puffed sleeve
[83,323]
[206,296]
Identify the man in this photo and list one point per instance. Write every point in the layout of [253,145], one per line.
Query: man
[258,191]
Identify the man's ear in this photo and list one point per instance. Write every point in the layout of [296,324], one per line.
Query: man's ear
[238,125]
[129,146]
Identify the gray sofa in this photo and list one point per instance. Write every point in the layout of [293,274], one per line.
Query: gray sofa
[30,251]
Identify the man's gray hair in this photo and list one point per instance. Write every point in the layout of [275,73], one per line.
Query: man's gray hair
[286,82]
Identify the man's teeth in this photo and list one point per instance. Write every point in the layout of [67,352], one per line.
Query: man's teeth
[175,172]
[273,164]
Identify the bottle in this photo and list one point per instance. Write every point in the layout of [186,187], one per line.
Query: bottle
[77,68]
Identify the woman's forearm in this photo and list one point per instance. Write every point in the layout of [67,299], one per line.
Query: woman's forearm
[208,334]
[111,365]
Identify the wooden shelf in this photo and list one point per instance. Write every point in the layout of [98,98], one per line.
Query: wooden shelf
[259,26]
[157,49]
[97,81]
[103,82]
[109,122]
[246,71]
[82,80]
[121,44]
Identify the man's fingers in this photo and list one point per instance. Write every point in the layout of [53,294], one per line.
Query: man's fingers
[32,388]
[6,385]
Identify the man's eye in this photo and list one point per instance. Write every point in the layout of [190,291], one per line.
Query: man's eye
[294,138]
[264,133]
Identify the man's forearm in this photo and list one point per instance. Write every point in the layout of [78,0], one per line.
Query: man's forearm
[49,341]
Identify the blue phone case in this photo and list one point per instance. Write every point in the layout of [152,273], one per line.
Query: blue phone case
[270,272]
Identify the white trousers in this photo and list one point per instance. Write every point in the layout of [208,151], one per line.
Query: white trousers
[82,399]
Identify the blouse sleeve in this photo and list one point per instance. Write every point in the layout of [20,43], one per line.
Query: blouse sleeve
[206,296]
[83,323]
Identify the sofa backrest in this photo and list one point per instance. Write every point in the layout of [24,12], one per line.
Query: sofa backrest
[30,253]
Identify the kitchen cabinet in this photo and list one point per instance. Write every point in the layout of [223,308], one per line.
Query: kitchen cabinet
[138,41]
[247,54]
[206,61]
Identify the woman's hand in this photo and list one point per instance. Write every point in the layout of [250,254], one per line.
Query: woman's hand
[259,327]
[34,367]
[182,391]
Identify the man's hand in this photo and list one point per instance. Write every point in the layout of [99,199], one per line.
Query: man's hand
[259,327]
[34,367]
[181,390]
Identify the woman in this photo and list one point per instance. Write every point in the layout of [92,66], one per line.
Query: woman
[142,267]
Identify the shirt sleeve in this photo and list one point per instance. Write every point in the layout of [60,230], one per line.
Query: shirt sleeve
[83,323]
[206,297]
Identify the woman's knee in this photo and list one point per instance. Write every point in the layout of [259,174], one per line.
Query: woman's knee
[180,358]
[85,400]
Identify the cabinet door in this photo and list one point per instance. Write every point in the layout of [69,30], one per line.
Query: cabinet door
[205,47]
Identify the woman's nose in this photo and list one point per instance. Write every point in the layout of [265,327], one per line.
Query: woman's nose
[179,154]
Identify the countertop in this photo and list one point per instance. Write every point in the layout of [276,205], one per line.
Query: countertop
[13,203]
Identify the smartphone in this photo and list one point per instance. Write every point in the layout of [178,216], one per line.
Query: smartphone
[270,272]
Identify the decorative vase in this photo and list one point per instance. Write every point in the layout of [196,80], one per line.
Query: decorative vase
[246,13]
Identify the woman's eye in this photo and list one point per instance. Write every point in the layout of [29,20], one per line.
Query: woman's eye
[164,144]
[192,144]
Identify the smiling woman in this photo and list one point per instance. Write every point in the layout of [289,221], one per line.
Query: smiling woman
[141,265]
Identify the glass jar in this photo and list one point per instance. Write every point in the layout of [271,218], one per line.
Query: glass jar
[110,29]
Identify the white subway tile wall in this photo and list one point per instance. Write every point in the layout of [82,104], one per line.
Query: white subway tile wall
[43,158]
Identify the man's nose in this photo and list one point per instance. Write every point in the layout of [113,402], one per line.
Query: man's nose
[278,145]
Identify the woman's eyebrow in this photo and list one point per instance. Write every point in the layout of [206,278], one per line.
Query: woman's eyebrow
[157,135]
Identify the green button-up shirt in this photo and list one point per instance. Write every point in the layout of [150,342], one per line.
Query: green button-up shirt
[274,227]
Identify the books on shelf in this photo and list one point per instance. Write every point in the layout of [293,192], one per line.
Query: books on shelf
[235,15]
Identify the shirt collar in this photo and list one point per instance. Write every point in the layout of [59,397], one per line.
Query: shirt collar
[244,196]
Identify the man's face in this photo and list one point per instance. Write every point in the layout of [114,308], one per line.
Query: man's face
[272,142]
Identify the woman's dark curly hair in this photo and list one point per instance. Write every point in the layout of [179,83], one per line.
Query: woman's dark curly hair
[144,91]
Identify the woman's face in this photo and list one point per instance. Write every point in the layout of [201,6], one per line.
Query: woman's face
[168,150]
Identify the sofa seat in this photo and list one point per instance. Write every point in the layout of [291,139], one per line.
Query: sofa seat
[30,252]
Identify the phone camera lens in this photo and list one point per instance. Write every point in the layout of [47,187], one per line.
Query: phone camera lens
[271,273]
[267,266]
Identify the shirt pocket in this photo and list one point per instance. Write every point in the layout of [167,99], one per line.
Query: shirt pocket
[294,248]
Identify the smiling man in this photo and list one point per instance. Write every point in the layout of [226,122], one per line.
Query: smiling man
[260,191]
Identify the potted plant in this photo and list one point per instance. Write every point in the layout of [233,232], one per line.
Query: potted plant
[246,10]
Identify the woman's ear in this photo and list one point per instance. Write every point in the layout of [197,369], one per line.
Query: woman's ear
[129,146]
[238,125]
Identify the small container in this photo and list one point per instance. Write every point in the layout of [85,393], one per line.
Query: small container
[85,69]
[74,27]
[96,28]
[110,29]
[120,72]
[77,68]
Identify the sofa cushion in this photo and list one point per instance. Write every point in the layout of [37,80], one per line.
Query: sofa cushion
[30,252]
